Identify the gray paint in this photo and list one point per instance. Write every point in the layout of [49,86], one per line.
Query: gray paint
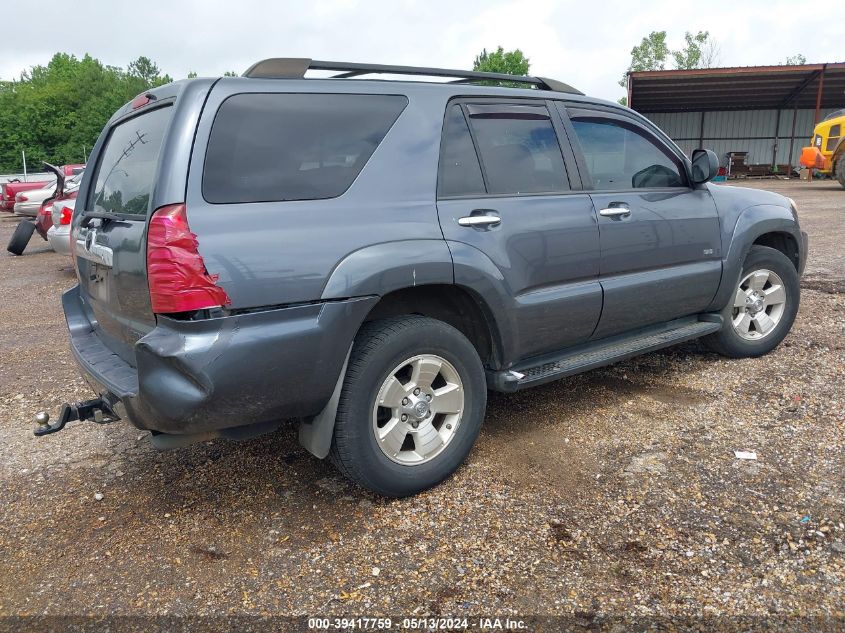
[550,276]
[668,249]
[547,252]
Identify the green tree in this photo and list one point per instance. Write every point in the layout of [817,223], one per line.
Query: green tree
[796,60]
[693,54]
[230,73]
[147,72]
[56,112]
[501,61]
[649,54]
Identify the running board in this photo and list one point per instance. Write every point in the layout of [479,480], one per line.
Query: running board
[575,360]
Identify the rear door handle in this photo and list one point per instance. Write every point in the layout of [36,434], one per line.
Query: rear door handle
[616,210]
[480,220]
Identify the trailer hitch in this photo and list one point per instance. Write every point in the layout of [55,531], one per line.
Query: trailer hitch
[96,410]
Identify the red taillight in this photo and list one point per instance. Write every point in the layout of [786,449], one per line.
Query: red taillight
[176,272]
[67,213]
[22,198]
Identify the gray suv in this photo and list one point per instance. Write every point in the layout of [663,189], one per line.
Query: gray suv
[370,257]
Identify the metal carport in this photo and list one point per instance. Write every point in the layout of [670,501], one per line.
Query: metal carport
[767,111]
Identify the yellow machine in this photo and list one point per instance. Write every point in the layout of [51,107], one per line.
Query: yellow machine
[827,152]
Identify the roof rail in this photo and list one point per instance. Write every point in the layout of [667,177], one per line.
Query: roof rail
[296,67]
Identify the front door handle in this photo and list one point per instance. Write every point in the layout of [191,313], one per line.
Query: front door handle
[616,210]
[480,220]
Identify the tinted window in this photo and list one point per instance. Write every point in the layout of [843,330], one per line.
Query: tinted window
[619,157]
[293,146]
[460,173]
[127,165]
[519,149]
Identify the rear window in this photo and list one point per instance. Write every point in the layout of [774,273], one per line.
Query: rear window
[127,166]
[272,147]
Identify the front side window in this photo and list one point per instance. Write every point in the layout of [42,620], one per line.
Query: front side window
[519,149]
[621,157]
[273,147]
[127,165]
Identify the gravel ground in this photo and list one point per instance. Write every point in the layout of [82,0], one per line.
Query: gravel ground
[608,494]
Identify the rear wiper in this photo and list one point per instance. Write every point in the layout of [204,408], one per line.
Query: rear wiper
[105,215]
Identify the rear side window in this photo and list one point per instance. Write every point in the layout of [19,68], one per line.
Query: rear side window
[519,149]
[271,147]
[622,157]
[127,165]
[460,173]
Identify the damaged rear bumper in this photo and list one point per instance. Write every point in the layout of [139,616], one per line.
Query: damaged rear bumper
[213,377]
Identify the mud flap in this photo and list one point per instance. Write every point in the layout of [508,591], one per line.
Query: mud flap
[315,434]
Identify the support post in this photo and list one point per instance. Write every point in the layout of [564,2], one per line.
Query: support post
[819,94]
[701,131]
[792,139]
[775,145]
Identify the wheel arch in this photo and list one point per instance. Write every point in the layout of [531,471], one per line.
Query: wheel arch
[766,225]
[780,241]
[460,307]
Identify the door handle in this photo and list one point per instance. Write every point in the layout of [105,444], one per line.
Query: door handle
[616,210]
[480,220]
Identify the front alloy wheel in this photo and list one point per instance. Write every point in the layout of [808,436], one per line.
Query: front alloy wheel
[763,307]
[759,304]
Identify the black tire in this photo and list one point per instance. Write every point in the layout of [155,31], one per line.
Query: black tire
[379,347]
[840,170]
[20,238]
[728,341]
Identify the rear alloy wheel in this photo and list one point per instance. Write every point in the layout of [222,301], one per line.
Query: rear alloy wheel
[763,306]
[418,409]
[411,408]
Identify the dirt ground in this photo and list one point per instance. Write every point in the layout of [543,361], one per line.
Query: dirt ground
[611,493]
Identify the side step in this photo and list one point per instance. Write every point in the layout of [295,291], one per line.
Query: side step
[575,360]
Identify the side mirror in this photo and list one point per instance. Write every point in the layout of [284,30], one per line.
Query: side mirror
[705,166]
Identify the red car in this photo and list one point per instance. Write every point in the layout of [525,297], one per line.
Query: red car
[44,219]
[11,189]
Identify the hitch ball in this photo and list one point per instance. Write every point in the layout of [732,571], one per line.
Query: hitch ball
[42,417]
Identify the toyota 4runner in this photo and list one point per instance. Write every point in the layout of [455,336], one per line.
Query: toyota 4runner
[371,256]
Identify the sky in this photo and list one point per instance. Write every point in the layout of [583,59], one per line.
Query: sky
[586,44]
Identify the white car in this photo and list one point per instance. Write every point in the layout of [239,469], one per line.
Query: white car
[29,202]
[59,234]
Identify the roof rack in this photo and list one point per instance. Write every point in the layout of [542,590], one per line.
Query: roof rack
[296,67]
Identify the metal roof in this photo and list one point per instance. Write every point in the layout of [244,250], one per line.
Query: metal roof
[738,88]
